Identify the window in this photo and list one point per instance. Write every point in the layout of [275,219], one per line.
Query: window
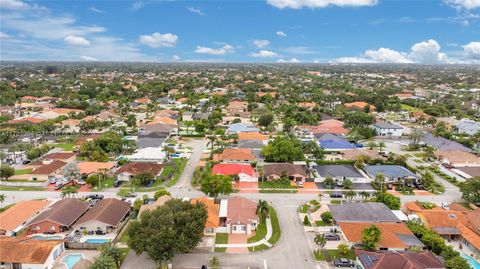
[36,228]
[52,228]
[244,228]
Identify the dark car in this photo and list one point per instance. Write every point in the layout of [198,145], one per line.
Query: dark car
[131,195]
[336,195]
[118,183]
[94,197]
[342,262]
[331,236]
[204,267]
[27,162]
[150,183]
[419,186]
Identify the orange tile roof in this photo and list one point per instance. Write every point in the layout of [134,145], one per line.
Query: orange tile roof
[469,235]
[94,167]
[235,154]
[27,251]
[251,136]
[360,105]
[26,120]
[389,233]
[65,111]
[442,218]
[13,217]
[212,211]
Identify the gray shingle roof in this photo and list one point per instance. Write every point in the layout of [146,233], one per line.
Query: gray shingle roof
[338,170]
[390,171]
[362,212]
[387,125]
[443,143]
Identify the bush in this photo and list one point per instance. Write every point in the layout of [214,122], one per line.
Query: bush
[306,221]
[327,217]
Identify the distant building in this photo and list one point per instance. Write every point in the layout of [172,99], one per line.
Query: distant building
[388,129]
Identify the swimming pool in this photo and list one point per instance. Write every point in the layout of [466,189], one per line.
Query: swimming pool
[40,237]
[472,261]
[72,259]
[96,241]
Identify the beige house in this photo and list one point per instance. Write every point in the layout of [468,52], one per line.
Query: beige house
[104,217]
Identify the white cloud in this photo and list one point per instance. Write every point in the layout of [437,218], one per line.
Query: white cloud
[466,4]
[225,49]
[96,10]
[292,60]
[176,57]
[472,50]
[196,10]
[261,43]
[298,4]
[76,41]
[88,58]
[137,6]
[12,4]
[264,54]
[281,34]
[157,40]
[4,35]
[299,50]
[425,52]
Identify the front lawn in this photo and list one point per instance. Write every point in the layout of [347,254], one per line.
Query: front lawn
[259,234]
[276,232]
[21,188]
[65,146]
[332,254]
[23,171]
[276,184]
[221,238]
[180,165]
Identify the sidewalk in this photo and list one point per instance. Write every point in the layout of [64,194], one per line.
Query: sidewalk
[254,244]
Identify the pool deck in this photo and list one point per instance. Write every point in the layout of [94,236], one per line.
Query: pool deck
[88,254]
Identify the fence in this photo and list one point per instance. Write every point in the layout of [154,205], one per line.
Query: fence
[77,245]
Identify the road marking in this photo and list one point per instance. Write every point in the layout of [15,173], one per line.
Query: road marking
[265,264]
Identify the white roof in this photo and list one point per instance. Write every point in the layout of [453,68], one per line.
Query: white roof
[147,154]
[400,215]
[223,208]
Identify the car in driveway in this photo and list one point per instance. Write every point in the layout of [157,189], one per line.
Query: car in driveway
[336,195]
[331,237]
[300,184]
[94,196]
[131,195]
[343,262]
[118,183]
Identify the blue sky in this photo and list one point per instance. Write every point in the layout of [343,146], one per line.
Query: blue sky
[386,31]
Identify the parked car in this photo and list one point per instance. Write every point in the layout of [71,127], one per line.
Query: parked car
[342,262]
[331,236]
[418,185]
[389,186]
[336,195]
[131,195]
[27,162]
[300,184]
[52,180]
[80,182]
[118,183]
[94,196]
[150,183]
[444,206]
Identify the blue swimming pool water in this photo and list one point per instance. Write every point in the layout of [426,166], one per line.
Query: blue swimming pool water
[40,237]
[472,262]
[96,241]
[72,259]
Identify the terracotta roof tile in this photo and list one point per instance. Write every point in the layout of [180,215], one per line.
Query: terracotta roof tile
[26,251]
[212,211]
[19,213]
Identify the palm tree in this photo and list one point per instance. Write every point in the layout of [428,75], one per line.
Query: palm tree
[320,240]
[211,141]
[381,145]
[350,194]
[329,182]
[3,197]
[263,210]
[364,194]
[103,262]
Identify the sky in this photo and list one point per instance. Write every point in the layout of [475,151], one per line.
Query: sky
[308,31]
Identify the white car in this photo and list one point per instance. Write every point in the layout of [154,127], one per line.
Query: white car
[444,206]
[300,184]
[80,182]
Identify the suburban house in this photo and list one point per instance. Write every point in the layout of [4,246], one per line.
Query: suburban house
[353,155]
[92,168]
[370,212]
[17,216]
[442,143]
[457,158]
[388,129]
[469,127]
[360,105]
[241,215]
[252,136]
[129,170]
[333,142]
[245,172]
[60,156]
[250,144]
[235,155]
[236,107]
[395,236]
[340,172]
[392,173]
[158,203]
[213,218]
[241,127]
[468,172]
[398,259]
[331,126]
[59,217]
[297,172]
[47,170]
[29,253]
[103,217]
[149,154]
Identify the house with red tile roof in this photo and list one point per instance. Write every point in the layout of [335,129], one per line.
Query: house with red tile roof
[245,172]
[213,218]
[91,168]
[29,253]
[360,105]
[15,217]
[398,260]
[49,169]
[28,120]
[129,170]
[60,156]
[241,215]
[235,155]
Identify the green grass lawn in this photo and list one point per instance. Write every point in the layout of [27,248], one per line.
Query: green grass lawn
[277,191]
[181,163]
[276,184]
[20,188]
[124,238]
[221,238]
[258,248]
[260,233]
[332,254]
[65,146]
[321,223]
[276,232]
[23,171]
[304,208]
[410,108]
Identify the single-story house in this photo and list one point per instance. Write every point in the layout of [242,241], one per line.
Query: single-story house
[392,173]
[252,136]
[129,170]
[355,154]
[91,168]
[398,259]
[235,155]
[240,127]
[61,156]
[213,218]
[370,212]
[17,216]
[29,253]
[245,172]
[333,142]
[149,142]
[295,172]
[241,215]
[340,172]
[50,169]
[158,203]
[250,144]
[394,236]
[441,143]
[59,217]
[104,216]
[467,127]
[457,158]
[150,154]
[468,172]
[360,105]
[388,129]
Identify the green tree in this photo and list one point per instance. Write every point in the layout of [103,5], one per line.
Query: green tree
[329,182]
[343,249]
[371,144]
[283,149]
[364,194]
[160,193]
[381,145]
[174,227]
[3,197]
[263,210]
[327,217]
[347,184]
[457,262]
[142,179]
[6,171]
[306,221]
[111,251]
[320,240]
[471,190]
[350,194]
[370,237]
[103,262]
[214,263]
[379,182]
[214,185]
[265,119]
[390,200]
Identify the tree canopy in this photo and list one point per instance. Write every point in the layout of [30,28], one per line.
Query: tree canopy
[283,149]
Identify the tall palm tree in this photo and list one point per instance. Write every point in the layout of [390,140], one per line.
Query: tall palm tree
[3,197]
[211,141]
[263,210]
[320,240]
[364,194]
[350,194]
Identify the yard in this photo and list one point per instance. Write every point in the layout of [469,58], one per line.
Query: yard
[221,238]
[332,254]
[65,146]
[23,171]
[20,188]
[410,108]
[180,165]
